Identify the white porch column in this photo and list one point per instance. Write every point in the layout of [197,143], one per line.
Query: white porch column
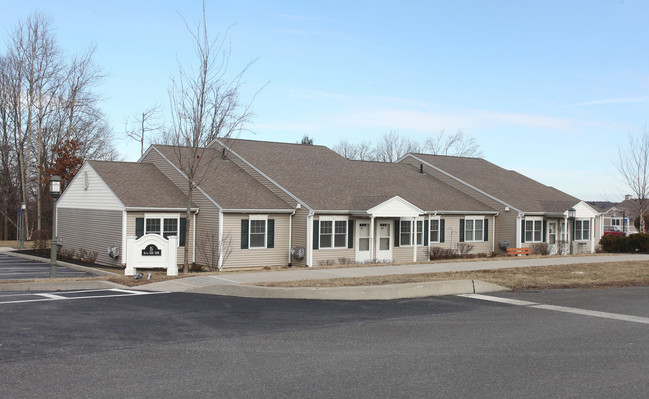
[372,249]
[309,240]
[414,239]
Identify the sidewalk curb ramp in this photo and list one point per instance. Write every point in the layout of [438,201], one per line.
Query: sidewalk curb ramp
[373,292]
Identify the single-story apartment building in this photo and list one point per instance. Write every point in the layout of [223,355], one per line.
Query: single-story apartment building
[258,203]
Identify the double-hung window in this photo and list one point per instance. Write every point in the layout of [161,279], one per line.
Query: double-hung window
[533,230]
[474,229]
[405,235]
[582,230]
[420,232]
[333,232]
[434,230]
[257,233]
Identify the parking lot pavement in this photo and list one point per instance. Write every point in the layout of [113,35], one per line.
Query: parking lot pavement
[13,268]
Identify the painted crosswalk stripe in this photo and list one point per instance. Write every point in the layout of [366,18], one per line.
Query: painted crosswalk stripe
[564,309]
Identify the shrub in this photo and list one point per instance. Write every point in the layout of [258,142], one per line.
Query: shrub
[66,253]
[540,248]
[463,249]
[632,243]
[42,241]
[439,253]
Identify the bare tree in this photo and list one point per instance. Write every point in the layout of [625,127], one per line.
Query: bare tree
[458,144]
[633,166]
[146,122]
[346,149]
[205,106]
[392,146]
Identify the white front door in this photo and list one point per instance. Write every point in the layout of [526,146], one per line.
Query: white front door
[552,237]
[384,241]
[363,241]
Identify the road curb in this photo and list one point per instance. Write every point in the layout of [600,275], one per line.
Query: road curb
[374,292]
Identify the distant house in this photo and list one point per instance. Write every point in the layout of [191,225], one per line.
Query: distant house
[263,203]
[620,215]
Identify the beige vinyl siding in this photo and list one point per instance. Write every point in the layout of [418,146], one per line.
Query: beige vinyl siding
[256,257]
[299,234]
[506,224]
[91,230]
[130,229]
[96,196]
[324,257]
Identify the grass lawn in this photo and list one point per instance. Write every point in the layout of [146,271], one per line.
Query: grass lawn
[588,275]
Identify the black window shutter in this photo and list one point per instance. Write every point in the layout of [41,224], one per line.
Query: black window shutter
[397,232]
[442,227]
[522,230]
[545,223]
[425,243]
[139,227]
[350,234]
[182,234]
[316,234]
[270,238]
[461,230]
[244,233]
[486,230]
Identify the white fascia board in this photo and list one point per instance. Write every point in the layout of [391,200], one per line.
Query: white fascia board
[256,211]
[276,184]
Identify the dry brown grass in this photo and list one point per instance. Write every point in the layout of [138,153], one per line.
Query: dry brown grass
[615,274]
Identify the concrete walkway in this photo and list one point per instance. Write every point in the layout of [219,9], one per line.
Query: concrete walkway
[238,283]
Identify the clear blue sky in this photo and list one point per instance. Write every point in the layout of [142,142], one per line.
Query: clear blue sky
[548,88]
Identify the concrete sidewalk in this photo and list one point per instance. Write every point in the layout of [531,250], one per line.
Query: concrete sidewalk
[239,283]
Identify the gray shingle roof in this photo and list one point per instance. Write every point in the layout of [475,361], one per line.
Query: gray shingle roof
[229,185]
[509,186]
[140,184]
[325,180]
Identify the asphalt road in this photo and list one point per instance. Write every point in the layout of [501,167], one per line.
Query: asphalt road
[123,343]
[14,268]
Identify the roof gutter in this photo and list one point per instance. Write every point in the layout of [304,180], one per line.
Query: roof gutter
[258,210]
[150,209]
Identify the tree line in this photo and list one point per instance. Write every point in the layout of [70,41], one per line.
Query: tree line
[392,146]
[50,121]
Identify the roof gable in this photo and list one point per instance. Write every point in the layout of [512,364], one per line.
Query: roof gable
[395,207]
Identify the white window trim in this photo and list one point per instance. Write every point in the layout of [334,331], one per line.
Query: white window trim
[533,219]
[413,231]
[474,218]
[590,229]
[333,220]
[257,217]
[439,229]
[162,217]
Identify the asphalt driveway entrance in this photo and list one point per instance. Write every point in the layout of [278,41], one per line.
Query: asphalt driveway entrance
[14,268]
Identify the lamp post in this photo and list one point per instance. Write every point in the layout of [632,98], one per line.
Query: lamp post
[572,214]
[55,191]
[21,225]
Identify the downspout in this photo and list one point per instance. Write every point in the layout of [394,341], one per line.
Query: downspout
[309,239]
[519,218]
[124,232]
[220,263]
[493,233]
[193,238]
[290,236]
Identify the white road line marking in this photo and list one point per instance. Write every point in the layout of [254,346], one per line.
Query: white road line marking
[50,297]
[564,309]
